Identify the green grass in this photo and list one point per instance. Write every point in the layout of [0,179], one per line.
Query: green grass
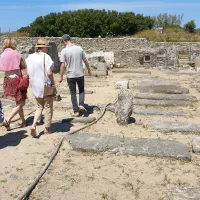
[169,35]
[15,34]
[3,181]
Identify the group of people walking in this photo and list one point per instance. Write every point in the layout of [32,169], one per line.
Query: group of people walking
[39,66]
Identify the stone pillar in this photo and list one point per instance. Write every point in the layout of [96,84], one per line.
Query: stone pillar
[53,52]
[197,64]
[123,84]
[123,106]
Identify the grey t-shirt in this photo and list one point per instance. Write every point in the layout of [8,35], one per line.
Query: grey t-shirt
[73,56]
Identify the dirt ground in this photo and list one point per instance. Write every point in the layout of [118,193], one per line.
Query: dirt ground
[107,176]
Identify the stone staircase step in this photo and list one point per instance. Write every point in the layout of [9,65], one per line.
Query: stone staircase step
[131,71]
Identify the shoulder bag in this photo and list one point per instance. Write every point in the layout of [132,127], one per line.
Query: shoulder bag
[23,81]
[48,90]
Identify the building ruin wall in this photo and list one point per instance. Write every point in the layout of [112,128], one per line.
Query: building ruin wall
[130,52]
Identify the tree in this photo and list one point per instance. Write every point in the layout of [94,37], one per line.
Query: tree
[89,23]
[165,20]
[190,26]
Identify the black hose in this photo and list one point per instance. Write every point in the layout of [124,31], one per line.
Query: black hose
[32,186]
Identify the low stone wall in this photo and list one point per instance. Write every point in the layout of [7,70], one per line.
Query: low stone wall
[125,51]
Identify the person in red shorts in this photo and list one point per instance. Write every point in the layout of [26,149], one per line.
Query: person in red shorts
[11,63]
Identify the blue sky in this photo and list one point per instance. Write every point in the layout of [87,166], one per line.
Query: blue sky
[15,14]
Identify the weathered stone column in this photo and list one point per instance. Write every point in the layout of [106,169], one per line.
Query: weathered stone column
[123,106]
[197,64]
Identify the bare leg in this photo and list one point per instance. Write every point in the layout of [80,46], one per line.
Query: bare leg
[21,114]
[38,113]
[16,110]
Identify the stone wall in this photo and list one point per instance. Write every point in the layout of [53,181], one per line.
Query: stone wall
[130,52]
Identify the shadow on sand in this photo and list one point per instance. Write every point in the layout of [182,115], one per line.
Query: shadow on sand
[12,138]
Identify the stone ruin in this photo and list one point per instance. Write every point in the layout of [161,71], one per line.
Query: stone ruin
[121,52]
[152,93]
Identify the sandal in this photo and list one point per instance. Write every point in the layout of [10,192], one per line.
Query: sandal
[39,123]
[33,131]
[47,131]
[7,125]
[23,124]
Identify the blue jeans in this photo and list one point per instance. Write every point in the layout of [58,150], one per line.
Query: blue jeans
[72,87]
[1,113]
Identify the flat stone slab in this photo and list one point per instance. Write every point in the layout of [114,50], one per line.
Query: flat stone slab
[135,77]
[195,85]
[160,96]
[155,81]
[62,91]
[84,120]
[96,84]
[177,73]
[64,105]
[149,102]
[174,127]
[68,105]
[184,194]
[93,142]
[122,84]
[96,80]
[157,148]
[97,73]
[110,107]
[147,111]
[197,79]
[142,146]
[131,71]
[196,145]
[166,89]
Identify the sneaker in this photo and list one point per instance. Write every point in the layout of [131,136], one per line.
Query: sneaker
[76,114]
[82,109]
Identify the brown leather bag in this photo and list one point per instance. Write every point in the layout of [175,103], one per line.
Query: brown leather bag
[48,90]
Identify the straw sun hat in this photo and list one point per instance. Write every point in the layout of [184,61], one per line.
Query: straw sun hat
[42,43]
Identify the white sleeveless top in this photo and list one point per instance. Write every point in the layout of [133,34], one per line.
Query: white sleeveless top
[35,70]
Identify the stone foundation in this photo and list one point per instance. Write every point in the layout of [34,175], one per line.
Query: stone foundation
[129,52]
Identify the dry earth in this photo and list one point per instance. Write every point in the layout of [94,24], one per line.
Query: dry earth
[106,176]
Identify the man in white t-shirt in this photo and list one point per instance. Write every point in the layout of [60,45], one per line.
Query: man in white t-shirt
[71,61]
